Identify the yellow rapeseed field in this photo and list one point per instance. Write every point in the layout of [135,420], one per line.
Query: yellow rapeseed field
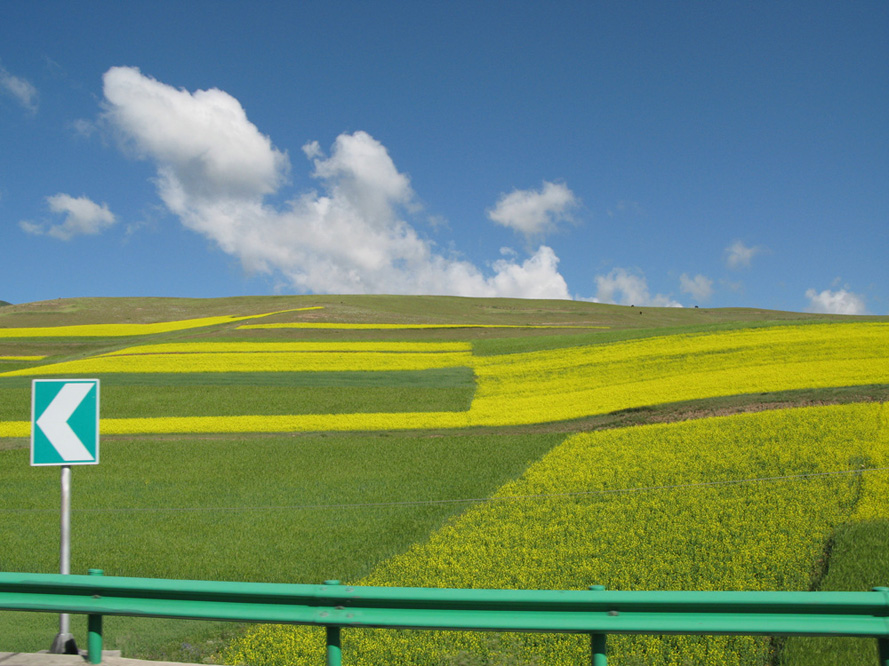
[15,429]
[743,502]
[269,347]
[575,382]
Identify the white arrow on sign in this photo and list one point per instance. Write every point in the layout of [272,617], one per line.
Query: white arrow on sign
[54,422]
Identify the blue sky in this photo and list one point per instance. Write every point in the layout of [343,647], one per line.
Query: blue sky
[649,153]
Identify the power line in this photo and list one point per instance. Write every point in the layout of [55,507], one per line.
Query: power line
[474,500]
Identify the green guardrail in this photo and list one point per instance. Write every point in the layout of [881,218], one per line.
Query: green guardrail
[596,611]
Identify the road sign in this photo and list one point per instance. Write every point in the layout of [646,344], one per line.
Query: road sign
[64,422]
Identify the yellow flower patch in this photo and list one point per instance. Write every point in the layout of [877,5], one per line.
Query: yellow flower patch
[575,382]
[15,429]
[732,503]
[276,347]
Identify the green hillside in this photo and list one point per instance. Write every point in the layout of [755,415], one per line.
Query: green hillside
[301,438]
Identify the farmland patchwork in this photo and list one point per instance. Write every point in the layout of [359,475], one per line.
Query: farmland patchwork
[747,502]
[512,389]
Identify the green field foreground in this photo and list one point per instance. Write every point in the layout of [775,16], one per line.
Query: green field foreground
[455,442]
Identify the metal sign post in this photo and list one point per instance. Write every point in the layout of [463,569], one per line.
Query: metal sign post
[64,641]
[65,432]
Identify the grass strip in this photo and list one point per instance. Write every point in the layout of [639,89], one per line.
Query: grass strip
[112,330]
[214,394]
[182,401]
[518,345]
[346,326]
[857,560]
[125,329]
[253,362]
[430,378]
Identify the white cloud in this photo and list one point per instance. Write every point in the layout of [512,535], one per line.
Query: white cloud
[534,212]
[738,255]
[31,227]
[625,288]
[836,302]
[82,217]
[20,89]
[215,169]
[537,277]
[699,287]
[202,142]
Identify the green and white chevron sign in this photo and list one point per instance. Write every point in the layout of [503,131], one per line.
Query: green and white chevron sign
[64,422]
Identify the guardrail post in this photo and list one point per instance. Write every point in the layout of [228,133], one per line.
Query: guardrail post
[598,647]
[883,641]
[94,630]
[334,646]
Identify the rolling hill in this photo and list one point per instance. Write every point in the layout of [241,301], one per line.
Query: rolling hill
[370,438]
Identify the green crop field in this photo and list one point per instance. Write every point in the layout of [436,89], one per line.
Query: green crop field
[439,441]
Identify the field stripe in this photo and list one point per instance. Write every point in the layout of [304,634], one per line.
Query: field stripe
[255,362]
[386,327]
[458,377]
[278,347]
[119,330]
[545,386]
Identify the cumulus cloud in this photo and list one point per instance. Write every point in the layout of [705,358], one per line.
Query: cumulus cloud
[622,287]
[534,212]
[203,144]
[699,287]
[836,302]
[82,216]
[537,277]
[19,89]
[215,170]
[738,255]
